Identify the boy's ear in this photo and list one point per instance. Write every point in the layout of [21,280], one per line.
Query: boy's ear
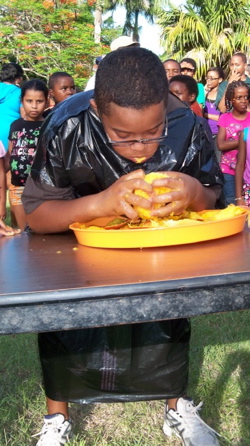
[50,95]
[94,106]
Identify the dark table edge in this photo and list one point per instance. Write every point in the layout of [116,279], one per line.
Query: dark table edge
[126,290]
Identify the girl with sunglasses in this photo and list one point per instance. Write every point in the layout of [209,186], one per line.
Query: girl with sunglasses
[188,67]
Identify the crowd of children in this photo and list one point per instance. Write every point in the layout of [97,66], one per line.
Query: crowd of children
[210,101]
[35,101]
[119,125]
[225,106]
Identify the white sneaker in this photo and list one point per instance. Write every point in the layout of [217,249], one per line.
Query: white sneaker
[186,424]
[56,431]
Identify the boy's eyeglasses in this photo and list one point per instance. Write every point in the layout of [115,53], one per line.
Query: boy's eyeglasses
[131,142]
[187,69]
[211,78]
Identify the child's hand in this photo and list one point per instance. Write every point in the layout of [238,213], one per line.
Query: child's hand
[7,230]
[234,76]
[240,202]
[207,88]
[119,198]
[186,193]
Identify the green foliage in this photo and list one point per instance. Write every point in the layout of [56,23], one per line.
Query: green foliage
[209,32]
[109,32]
[48,36]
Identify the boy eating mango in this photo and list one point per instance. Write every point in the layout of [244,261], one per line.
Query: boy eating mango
[94,152]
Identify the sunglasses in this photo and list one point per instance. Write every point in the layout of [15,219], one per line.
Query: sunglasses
[187,69]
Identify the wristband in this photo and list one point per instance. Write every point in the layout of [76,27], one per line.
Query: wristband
[237,199]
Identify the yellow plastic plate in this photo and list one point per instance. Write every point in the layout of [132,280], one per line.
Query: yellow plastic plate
[193,232]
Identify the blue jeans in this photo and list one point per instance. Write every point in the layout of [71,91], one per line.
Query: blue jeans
[229,188]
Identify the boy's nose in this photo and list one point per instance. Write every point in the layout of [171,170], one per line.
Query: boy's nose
[138,146]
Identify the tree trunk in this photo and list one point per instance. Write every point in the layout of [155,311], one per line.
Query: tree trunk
[135,29]
[98,23]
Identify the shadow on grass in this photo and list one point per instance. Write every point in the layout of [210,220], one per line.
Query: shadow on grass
[236,364]
[229,403]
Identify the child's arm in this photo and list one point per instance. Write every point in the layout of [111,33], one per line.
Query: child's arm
[239,170]
[56,215]
[222,143]
[210,116]
[2,190]
[119,198]
[222,105]
[7,157]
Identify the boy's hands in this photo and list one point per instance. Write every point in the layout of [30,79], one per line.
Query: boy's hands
[119,198]
[182,196]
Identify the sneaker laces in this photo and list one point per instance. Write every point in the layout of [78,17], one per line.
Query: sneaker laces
[51,430]
[192,409]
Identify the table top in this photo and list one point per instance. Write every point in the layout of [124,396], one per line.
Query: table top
[49,269]
[35,263]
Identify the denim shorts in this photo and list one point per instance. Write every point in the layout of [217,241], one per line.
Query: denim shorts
[229,188]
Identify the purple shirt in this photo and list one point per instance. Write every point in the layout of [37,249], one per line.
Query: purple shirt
[212,110]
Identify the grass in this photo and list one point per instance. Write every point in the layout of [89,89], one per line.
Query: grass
[219,375]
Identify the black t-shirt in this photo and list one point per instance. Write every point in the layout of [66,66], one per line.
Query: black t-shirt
[24,137]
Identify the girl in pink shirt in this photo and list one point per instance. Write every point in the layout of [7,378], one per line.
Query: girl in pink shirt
[230,126]
[242,171]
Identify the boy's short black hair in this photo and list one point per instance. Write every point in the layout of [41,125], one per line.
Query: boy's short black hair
[130,77]
[189,81]
[55,76]
[10,72]
[172,60]
[190,61]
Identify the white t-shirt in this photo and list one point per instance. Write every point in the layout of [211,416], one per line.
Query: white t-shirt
[90,84]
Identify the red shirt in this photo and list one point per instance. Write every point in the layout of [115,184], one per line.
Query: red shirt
[196,108]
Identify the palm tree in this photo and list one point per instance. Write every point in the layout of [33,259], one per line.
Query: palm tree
[133,10]
[208,31]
